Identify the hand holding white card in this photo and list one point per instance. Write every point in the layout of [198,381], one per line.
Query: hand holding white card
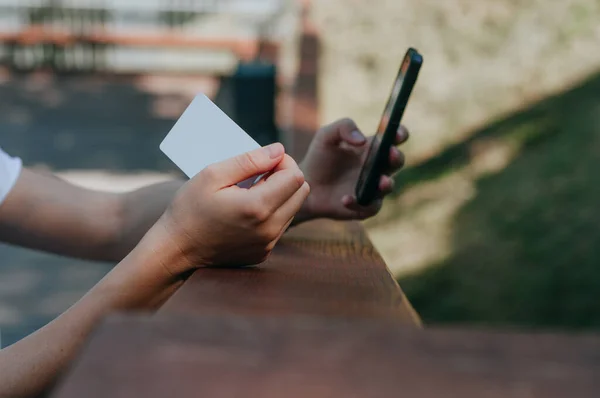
[203,135]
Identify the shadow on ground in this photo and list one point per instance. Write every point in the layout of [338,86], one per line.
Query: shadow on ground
[526,247]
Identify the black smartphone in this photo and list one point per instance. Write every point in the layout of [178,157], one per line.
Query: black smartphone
[377,160]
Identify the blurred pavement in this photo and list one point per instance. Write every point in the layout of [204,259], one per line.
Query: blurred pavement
[102,133]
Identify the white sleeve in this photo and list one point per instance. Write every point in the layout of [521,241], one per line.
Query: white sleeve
[10,168]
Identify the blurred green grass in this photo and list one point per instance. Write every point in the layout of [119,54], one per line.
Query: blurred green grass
[525,248]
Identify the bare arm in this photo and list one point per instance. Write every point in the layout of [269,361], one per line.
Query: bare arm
[140,282]
[138,211]
[47,213]
[210,223]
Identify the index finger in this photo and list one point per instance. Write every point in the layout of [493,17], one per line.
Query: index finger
[286,162]
[276,189]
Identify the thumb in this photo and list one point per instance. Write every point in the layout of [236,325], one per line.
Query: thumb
[343,130]
[249,164]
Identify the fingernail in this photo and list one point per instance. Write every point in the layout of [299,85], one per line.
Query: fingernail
[275,150]
[346,200]
[357,136]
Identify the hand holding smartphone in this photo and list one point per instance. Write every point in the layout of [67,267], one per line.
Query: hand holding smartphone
[377,160]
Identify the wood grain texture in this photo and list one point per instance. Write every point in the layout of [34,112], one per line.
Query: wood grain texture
[323,268]
[232,356]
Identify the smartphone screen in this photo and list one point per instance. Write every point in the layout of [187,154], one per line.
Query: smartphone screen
[387,128]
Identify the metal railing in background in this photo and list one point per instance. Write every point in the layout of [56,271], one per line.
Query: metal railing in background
[132,35]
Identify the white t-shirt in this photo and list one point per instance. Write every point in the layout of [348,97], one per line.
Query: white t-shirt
[10,168]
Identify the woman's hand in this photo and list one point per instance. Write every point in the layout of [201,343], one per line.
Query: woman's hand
[214,222]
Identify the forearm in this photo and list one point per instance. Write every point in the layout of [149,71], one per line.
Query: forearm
[139,210]
[139,282]
[46,213]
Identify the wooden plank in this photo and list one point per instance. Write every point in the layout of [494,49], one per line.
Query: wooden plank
[243,48]
[257,357]
[322,268]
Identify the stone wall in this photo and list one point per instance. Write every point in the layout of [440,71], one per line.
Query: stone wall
[482,59]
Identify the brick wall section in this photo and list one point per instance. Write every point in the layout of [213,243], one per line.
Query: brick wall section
[303,119]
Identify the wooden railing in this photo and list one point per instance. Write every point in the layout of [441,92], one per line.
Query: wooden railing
[321,318]
[85,35]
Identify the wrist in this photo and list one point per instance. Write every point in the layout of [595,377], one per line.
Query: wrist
[145,278]
[311,208]
[306,212]
[164,245]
